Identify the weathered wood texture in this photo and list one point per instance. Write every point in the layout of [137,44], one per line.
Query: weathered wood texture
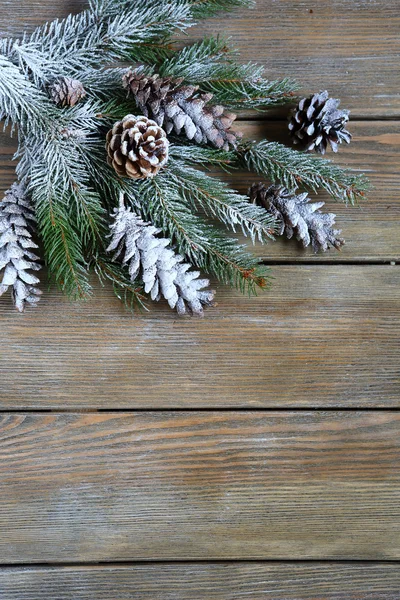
[226,581]
[207,485]
[323,336]
[351,48]
[224,485]
[371,230]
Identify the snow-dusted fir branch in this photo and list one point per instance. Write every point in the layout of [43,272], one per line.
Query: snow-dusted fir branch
[206,246]
[294,169]
[198,190]
[208,8]
[17,226]
[91,39]
[106,32]
[163,272]
[20,102]
[69,211]
[211,64]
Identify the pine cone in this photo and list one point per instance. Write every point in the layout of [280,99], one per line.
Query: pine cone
[67,92]
[16,228]
[162,271]
[295,215]
[137,147]
[182,109]
[317,120]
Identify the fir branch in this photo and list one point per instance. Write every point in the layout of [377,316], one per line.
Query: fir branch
[70,215]
[62,244]
[91,39]
[20,102]
[130,293]
[210,64]
[199,190]
[197,61]
[297,169]
[206,157]
[240,87]
[204,245]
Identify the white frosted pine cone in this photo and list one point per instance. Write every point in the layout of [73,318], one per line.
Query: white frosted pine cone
[17,222]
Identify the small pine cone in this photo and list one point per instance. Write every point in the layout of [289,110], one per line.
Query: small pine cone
[67,92]
[182,109]
[17,221]
[296,215]
[162,271]
[137,147]
[316,121]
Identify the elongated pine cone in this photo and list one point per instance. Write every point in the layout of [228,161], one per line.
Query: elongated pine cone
[317,121]
[137,147]
[17,222]
[162,271]
[297,216]
[67,92]
[182,109]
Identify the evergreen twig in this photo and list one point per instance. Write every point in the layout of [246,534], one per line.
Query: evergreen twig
[211,64]
[203,244]
[295,169]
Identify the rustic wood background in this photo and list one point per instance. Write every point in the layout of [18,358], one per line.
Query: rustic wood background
[255,453]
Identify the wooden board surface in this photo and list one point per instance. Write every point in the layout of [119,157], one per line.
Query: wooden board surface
[226,581]
[350,47]
[290,485]
[322,336]
[205,485]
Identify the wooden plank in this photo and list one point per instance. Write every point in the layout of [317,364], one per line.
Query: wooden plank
[206,485]
[351,48]
[294,581]
[371,230]
[322,336]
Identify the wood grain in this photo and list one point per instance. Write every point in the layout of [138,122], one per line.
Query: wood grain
[222,485]
[208,485]
[351,48]
[322,336]
[301,581]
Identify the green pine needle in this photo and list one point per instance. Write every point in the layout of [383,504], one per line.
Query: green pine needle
[294,169]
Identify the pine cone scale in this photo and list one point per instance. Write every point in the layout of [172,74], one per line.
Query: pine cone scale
[67,92]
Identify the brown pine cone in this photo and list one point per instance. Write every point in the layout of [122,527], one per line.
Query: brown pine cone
[67,92]
[182,109]
[137,147]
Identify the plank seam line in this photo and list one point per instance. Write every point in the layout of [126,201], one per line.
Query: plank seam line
[180,409]
[116,564]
